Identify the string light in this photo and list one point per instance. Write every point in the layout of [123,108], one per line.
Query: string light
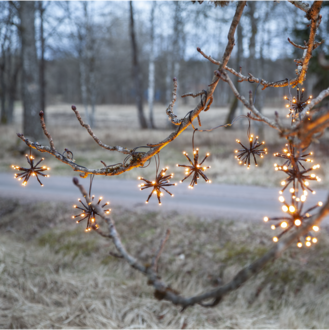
[293,219]
[243,155]
[88,212]
[195,168]
[34,170]
[161,181]
[297,104]
[294,168]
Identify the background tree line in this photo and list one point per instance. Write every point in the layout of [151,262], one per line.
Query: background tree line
[125,52]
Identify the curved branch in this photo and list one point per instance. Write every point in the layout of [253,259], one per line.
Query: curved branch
[169,110]
[163,291]
[97,140]
[305,7]
[315,101]
[250,106]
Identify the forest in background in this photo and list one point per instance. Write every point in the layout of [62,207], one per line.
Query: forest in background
[86,53]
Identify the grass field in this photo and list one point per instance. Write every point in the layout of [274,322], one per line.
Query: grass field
[54,275]
[117,125]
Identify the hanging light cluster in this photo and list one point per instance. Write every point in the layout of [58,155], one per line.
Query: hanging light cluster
[161,181]
[297,104]
[89,213]
[294,218]
[299,177]
[33,170]
[195,168]
[244,155]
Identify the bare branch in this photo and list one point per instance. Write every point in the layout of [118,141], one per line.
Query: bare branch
[301,5]
[308,127]
[169,110]
[43,124]
[194,95]
[251,107]
[158,254]
[230,36]
[97,140]
[163,291]
[113,233]
[315,101]
[315,45]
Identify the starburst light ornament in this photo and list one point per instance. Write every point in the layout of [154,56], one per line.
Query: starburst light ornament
[254,149]
[34,170]
[297,104]
[293,166]
[88,212]
[161,181]
[294,218]
[196,169]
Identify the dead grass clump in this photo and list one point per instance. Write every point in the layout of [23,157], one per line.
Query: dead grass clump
[58,276]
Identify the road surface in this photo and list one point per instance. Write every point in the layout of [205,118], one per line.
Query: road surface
[206,200]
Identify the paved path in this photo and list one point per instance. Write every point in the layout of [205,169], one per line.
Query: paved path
[209,200]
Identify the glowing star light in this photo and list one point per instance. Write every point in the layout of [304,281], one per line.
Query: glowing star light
[296,171]
[89,213]
[244,155]
[34,170]
[161,181]
[294,218]
[297,104]
[195,168]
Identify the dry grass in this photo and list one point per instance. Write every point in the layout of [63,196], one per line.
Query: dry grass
[117,125]
[55,275]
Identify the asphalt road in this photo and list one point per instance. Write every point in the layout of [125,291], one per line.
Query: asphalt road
[208,200]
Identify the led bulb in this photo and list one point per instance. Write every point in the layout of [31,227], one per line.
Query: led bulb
[292,209]
[298,222]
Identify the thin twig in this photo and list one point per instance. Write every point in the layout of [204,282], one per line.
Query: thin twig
[96,139]
[169,110]
[158,254]
[45,131]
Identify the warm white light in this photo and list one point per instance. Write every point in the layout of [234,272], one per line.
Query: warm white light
[316,228]
[292,209]
[266,219]
[298,222]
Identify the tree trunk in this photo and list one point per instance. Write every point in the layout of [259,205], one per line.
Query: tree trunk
[239,57]
[151,70]
[30,72]
[42,79]
[137,75]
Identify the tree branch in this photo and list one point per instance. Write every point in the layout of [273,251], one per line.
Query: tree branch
[163,291]
[97,140]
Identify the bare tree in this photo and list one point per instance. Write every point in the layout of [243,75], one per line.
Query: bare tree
[30,71]
[308,124]
[137,74]
[151,68]
[9,61]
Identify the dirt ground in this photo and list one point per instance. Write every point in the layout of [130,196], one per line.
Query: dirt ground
[54,275]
